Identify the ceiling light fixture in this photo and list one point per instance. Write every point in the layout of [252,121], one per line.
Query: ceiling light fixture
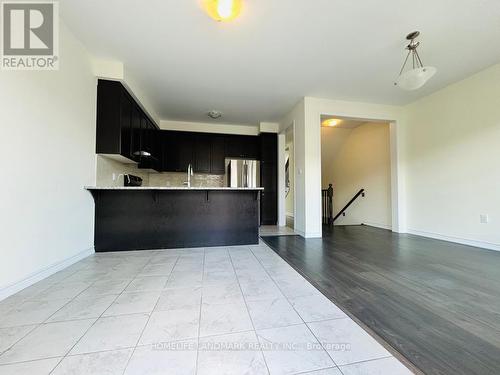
[214,114]
[223,10]
[418,76]
[331,122]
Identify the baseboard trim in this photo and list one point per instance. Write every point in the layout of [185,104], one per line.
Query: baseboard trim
[376,225]
[300,233]
[462,241]
[45,272]
[313,235]
[308,235]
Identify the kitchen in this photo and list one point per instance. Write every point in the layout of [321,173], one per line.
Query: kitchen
[171,189]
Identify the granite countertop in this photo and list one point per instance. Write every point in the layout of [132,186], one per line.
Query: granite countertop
[165,188]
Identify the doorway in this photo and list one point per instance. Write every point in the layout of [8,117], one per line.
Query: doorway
[356,162]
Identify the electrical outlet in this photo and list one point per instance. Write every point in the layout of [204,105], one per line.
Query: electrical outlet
[484,219]
[114,176]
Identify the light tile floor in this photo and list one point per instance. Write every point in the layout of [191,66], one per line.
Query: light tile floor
[274,230]
[230,310]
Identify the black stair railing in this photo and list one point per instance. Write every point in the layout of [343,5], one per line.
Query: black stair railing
[327,205]
[341,212]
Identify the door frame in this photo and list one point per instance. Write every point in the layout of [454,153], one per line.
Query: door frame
[281,177]
[396,220]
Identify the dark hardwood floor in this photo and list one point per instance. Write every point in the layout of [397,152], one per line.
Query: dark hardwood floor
[436,303]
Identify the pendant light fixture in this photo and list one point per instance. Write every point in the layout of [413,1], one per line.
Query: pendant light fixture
[223,10]
[418,76]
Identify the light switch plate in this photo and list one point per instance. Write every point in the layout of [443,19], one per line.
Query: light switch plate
[484,219]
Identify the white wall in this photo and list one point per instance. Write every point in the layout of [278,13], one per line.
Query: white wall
[307,118]
[452,147]
[358,158]
[444,160]
[48,141]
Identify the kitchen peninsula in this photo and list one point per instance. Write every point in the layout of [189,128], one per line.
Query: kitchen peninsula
[152,209]
[138,218]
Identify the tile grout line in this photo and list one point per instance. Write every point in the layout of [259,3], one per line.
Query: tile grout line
[100,316]
[293,307]
[368,360]
[45,322]
[403,360]
[318,321]
[248,310]
[17,341]
[387,347]
[137,275]
[149,315]
[199,316]
[321,369]
[27,299]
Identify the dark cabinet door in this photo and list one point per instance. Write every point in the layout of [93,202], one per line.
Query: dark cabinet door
[170,148]
[108,127]
[233,146]
[126,124]
[122,127]
[268,208]
[155,145]
[251,147]
[269,197]
[269,177]
[269,147]
[242,146]
[202,150]
[150,143]
[218,155]
[136,122]
[144,134]
[148,136]
[185,151]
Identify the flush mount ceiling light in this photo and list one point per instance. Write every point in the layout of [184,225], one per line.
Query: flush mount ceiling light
[416,77]
[214,114]
[223,10]
[331,122]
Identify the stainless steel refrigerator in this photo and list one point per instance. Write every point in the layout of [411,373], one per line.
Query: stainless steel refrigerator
[242,173]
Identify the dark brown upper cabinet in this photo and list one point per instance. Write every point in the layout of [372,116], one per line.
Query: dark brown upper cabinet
[218,154]
[122,127]
[269,148]
[202,153]
[170,154]
[113,121]
[242,147]
[177,150]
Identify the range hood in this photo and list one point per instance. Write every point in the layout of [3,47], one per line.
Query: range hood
[142,154]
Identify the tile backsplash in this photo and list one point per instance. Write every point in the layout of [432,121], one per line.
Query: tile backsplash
[178,179]
[106,167]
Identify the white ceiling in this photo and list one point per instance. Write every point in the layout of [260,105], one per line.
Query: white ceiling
[256,68]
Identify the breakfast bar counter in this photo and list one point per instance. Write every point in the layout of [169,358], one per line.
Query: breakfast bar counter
[145,218]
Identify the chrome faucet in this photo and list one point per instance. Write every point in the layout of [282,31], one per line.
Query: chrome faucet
[189,174]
